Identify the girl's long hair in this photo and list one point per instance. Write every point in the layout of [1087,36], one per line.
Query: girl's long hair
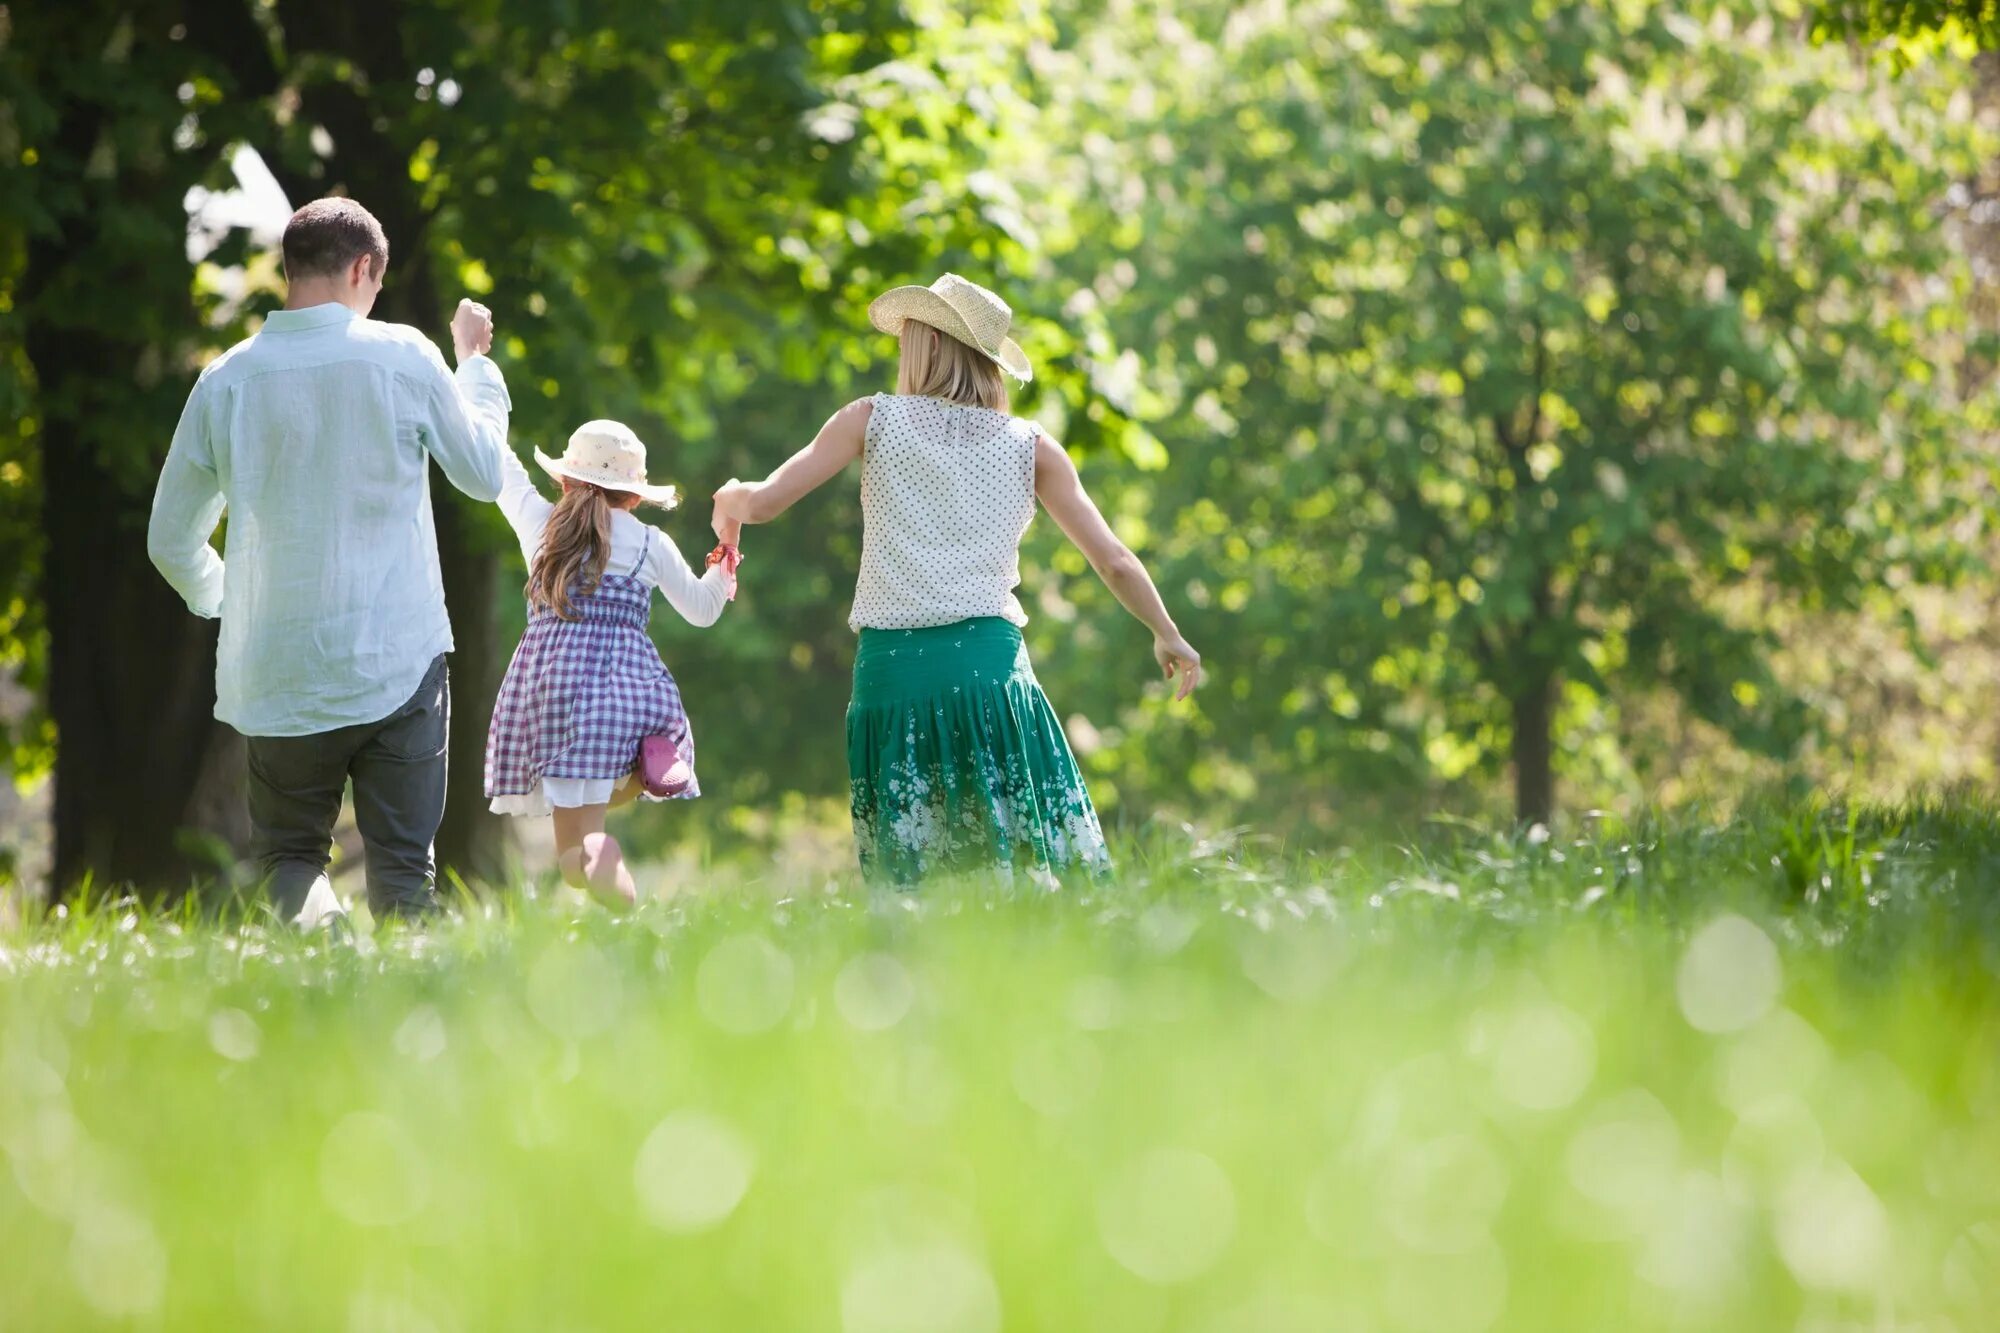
[575,545]
[937,365]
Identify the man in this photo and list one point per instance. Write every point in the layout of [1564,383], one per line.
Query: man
[316,436]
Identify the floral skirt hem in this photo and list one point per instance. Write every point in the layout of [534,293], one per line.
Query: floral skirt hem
[956,761]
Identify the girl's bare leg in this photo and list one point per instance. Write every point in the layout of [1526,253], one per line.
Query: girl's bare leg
[590,858]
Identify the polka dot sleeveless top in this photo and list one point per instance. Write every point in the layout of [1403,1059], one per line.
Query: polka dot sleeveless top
[946,492]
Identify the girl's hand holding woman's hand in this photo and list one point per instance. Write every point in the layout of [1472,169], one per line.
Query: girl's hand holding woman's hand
[1177,656]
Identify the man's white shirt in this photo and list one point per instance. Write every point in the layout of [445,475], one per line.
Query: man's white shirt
[315,436]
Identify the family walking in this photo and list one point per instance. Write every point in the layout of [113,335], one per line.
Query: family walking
[315,437]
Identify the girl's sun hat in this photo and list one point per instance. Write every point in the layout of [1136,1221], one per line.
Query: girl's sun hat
[607,454]
[965,310]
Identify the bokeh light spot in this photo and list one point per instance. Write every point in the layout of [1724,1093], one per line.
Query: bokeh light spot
[118,1263]
[692,1171]
[234,1035]
[744,985]
[873,992]
[1729,975]
[1439,1197]
[1543,1056]
[1167,1215]
[421,1036]
[1832,1230]
[1446,1293]
[370,1172]
[1626,1158]
[933,1287]
[573,991]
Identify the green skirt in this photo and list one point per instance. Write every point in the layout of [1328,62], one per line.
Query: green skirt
[957,762]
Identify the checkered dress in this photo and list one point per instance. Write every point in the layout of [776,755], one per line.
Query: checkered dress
[581,694]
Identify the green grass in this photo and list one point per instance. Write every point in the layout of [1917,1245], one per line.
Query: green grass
[1685,1076]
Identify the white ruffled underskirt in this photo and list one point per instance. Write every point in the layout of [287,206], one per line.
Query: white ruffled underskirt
[568,793]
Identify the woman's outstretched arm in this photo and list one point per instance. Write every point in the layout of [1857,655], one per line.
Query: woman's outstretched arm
[838,443]
[1062,494]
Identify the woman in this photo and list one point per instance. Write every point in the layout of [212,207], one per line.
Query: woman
[955,757]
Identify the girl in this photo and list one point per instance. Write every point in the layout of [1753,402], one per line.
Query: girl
[586,685]
[954,755]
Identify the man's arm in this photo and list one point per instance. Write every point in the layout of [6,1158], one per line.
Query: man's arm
[186,507]
[465,421]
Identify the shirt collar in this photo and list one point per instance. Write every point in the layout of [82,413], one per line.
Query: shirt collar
[312,317]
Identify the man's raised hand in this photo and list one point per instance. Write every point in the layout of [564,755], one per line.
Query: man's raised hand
[471,329]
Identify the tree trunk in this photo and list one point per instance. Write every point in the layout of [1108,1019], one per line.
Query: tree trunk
[1533,751]
[474,842]
[148,786]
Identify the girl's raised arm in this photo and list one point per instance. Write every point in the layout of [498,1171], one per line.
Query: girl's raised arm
[525,509]
[838,443]
[1061,493]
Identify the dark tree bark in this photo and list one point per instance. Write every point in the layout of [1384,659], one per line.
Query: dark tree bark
[141,762]
[1533,751]
[148,786]
[474,842]
[1528,675]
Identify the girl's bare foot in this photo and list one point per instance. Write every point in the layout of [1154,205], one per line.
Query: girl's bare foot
[605,872]
[603,877]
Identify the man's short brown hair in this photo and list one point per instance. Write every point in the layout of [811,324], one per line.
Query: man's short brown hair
[327,235]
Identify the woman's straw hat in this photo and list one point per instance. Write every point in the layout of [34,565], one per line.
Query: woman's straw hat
[965,310]
[607,454]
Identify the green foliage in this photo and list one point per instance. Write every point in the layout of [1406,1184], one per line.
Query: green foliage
[1509,343]
[1907,19]
[1622,1079]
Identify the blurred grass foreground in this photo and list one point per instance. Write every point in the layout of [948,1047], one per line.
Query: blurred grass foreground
[1688,1076]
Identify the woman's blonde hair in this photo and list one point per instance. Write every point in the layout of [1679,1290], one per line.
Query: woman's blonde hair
[575,545]
[937,365]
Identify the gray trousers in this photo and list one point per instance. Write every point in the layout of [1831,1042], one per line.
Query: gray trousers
[398,769]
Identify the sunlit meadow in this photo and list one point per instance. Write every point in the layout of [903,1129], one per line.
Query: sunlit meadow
[1703,1075]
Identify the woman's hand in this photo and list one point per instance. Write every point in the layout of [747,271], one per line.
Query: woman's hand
[1061,492]
[1177,656]
[732,509]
